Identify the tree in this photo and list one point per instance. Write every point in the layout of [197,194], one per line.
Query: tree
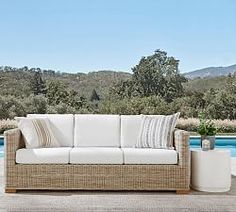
[59,93]
[155,75]
[94,96]
[35,104]
[38,85]
[56,92]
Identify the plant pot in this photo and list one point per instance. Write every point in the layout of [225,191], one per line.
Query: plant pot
[211,139]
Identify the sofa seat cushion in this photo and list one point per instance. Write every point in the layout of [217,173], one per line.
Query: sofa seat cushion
[96,155]
[149,156]
[58,155]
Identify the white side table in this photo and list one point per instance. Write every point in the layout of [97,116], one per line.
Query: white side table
[211,170]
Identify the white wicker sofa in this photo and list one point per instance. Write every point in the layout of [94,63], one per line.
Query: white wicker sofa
[97,153]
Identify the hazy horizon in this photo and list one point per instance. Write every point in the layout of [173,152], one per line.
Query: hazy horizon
[89,71]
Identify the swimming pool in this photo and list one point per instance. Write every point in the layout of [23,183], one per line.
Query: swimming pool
[1,147]
[225,142]
[222,142]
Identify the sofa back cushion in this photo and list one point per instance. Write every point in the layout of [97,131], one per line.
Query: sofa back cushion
[157,131]
[97,130]
[130,129]
[62,126]
[37,132]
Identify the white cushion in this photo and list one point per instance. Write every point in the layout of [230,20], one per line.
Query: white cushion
[149,156]
[37,132]
[130,128]
[62,126]
[96,155]
[97,130]
[58,155]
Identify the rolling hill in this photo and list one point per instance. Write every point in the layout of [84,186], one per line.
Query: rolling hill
[211,72]
[17,81]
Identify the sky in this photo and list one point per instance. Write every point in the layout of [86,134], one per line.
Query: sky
[90,35]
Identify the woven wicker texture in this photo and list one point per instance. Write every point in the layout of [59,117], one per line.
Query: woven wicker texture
[96,177]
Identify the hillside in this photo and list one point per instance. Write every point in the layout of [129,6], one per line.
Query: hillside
[204,84]
[17,81]
[211,72]
[18,96]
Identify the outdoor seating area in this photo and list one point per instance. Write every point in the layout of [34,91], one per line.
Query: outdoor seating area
[97,152]
[118,106]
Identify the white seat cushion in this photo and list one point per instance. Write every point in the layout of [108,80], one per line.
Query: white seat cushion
[62,126]
[58,155]
[97,130]
[149,156]
[130,130]
[96,155]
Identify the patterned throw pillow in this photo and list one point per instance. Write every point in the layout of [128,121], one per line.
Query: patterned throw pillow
[157,131]
[37,132]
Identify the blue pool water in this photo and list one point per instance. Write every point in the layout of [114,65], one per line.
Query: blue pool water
[1,147]
[222,142]
[226,142]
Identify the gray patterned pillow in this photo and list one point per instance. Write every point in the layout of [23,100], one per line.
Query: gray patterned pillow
[157,131]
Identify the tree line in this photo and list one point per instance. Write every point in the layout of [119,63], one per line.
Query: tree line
[155,87]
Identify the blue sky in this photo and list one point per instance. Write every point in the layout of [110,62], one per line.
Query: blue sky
[83,36]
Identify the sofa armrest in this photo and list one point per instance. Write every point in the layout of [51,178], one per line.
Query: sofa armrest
[181,143]
[13,141]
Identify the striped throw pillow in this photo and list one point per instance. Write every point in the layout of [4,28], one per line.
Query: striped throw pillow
[37,132]
[157,131]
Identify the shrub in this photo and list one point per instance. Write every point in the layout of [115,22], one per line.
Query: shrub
[223,126]
[7,124]
[206,126]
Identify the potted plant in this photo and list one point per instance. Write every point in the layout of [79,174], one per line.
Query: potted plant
[207,130]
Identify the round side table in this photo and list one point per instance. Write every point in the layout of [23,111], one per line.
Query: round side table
[211,170]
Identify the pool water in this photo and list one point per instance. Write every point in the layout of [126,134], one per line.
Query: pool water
[1,151]
[222,142]
[228,142]
[1,147]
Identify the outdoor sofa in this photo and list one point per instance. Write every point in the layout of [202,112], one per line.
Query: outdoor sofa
[97,153]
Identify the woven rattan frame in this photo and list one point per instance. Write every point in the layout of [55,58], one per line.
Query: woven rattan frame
[96,177]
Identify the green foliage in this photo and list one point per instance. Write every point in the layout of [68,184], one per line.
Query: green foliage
[18,81]
[94,96]
[155,87]
[155,75]
[57,93]
[37,84]
[205,84]
[35,104]
[7,124]
[11,107]
[136,105]
[206,127]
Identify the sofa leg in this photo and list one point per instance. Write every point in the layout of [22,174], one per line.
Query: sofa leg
[182,191]
[9,190]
